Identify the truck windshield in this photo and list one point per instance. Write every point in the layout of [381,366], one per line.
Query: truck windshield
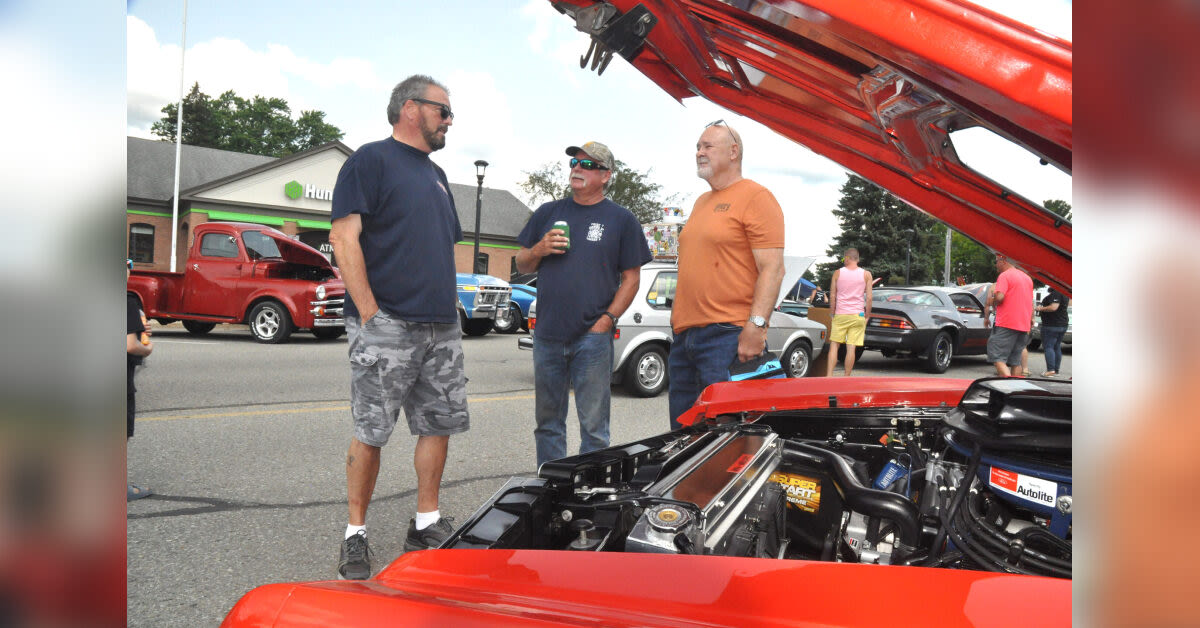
[259,245]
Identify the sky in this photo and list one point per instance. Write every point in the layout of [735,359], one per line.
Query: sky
[518,93]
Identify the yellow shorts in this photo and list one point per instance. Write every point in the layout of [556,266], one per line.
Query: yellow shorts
[848,329]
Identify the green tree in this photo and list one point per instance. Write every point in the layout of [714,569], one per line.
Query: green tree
[259,125]
[882,228]
[629,188]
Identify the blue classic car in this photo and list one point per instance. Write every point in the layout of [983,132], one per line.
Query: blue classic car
[480,297]
[516,316]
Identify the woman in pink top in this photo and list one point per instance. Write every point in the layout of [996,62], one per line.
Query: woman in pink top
[850,303]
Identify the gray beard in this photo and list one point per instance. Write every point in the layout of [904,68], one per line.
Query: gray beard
[432,138]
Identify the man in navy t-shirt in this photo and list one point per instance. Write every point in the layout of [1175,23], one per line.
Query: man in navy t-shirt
[584,284]
[394,229]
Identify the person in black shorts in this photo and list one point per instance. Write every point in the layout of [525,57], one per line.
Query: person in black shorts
[135,351]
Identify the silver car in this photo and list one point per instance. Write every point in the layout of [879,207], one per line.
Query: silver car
[643,335]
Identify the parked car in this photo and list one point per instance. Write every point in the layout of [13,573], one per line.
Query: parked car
[246,273]
[643,336]
[795,308]
[927,321]
[516,315]
[479,298]
[1035,332]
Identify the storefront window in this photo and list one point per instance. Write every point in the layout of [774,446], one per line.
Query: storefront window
[141,242]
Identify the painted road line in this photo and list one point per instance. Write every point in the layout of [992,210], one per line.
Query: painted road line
[228,415]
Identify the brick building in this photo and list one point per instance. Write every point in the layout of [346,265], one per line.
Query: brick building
[292,194]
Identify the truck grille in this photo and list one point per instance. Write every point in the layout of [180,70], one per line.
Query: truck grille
[329,308]
[493,295]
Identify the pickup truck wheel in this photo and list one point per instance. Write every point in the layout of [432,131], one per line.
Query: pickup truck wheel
[937,357]
[270,323]
[646,371]
[328,333]
[477,326]
[198,328]
[509,320]
[797,359]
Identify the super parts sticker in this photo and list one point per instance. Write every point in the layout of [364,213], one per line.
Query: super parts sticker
[803,492]
[1024,486]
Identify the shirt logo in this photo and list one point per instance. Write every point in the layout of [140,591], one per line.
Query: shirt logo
[595,232]
[723,207]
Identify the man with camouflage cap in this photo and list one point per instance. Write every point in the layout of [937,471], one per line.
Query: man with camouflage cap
[394,229]
[585,282]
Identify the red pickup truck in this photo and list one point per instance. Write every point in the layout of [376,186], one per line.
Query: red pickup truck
[246,273]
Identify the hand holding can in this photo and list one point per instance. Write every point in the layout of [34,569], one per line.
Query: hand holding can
[566,229]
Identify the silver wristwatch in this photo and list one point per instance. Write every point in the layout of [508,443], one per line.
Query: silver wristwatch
[758,321]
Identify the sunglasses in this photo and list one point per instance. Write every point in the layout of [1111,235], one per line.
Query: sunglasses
[587,164]
[443,109]
[720,122]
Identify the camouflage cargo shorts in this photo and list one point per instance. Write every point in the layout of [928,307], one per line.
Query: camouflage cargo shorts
[397,364]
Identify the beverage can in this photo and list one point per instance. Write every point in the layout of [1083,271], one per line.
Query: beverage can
[566,229]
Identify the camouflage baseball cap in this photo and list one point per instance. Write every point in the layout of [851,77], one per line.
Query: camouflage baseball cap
[597,151]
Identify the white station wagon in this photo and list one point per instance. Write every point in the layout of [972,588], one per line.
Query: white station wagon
[643,335]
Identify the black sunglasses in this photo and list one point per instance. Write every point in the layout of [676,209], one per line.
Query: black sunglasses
[444,109]
[720,122]
[587,164]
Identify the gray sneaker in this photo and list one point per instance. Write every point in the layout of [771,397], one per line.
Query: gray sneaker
[355,563]
[431,537]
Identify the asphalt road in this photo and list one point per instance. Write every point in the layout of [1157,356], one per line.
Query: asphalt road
[244,445]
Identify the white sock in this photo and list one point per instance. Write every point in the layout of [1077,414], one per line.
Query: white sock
[426,519]
[352,530]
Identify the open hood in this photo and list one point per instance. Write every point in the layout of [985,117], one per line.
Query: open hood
[297,252]
[876,87]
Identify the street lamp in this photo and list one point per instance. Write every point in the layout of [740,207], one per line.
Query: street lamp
[480,166]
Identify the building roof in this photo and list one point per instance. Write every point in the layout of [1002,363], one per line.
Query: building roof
[151,172]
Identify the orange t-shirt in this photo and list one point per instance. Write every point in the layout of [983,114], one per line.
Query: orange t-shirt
[716,263]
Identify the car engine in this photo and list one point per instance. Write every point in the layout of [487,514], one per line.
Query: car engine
[985,485]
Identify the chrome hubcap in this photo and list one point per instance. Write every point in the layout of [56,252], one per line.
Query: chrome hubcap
[650,371]
[267,323]
[798,363]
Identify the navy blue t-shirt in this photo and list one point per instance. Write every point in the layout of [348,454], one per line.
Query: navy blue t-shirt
[574,289]
[409,227]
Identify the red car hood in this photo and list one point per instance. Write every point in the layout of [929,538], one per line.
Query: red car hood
[876,87]
[538,588]
[298,252]
[769,395]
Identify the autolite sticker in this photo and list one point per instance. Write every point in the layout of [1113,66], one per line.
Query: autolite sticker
[1024,486]
[803,492]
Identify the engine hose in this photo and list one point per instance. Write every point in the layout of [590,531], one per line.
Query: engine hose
[935,550]
[973,546]
[974,520]
[859,498]
[987,534]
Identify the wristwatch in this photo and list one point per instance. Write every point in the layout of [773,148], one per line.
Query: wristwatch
[612,316]
[758,321]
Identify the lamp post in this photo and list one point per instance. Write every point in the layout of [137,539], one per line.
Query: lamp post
[908,255]
[480,166]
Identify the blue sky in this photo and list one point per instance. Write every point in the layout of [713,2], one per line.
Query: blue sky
[516,87]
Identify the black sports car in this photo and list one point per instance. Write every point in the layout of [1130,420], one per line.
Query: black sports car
[928,322]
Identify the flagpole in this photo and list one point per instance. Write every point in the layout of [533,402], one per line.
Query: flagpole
[178,143]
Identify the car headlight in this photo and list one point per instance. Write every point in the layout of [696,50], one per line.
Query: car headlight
[320,293]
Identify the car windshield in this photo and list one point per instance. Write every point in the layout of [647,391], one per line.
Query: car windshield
[913,297]
[259,245]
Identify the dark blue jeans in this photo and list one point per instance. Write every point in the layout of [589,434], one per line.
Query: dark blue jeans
[699,356]
[1052,340]
[585,365]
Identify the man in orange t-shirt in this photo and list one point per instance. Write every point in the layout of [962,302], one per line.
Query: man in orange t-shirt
[1013,300]
[730,270]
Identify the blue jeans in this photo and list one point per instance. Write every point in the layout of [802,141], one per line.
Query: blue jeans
[1052,340]
[585,365]
[699,356]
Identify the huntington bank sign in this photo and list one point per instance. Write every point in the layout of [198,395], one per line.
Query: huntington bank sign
[295,190]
